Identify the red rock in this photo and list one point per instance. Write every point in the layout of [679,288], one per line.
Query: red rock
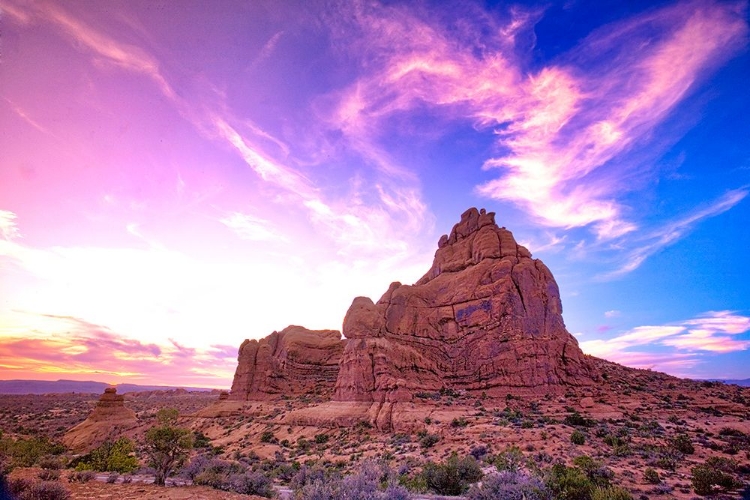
[293,361]
[108,421]
[485,316]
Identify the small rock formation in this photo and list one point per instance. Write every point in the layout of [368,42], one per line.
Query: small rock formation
[293,361]
[109,419]
[485,316]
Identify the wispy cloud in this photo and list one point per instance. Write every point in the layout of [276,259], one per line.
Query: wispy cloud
[713,332]
[251,228]
[564,129]
[8,226]
[373,224]
[652,242]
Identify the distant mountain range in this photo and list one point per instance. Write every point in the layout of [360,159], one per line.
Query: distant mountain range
[743,382]
[62,386]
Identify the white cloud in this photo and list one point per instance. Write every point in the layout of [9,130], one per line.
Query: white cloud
[251,228]
[8,227]
[711,332]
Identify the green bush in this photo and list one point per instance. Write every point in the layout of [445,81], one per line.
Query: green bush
[651,476]
[569,483]
[111,456]
[683,444]
[511,459]
[452,477]
[267,437]
[27,452]
[575,419]
[577,437]
[429,441]
[715,476]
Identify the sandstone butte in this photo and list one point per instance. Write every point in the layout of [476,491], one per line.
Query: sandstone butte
[109,419]
[486,317]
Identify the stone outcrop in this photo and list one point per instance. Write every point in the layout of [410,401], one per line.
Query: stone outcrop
[486,316]
[293,361]
[109,420]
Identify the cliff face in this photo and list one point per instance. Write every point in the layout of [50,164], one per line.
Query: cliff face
[293,361]
[486,315]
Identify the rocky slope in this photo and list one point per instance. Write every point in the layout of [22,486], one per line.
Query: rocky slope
[293,361]
[486,316]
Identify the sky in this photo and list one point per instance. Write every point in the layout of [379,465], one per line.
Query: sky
[176,177]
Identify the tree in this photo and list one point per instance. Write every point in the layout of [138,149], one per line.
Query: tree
[167,445]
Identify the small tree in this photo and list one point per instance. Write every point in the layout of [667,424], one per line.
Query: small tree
[167,445]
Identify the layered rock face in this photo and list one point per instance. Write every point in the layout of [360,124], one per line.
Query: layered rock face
[293,361]
[486,315]
[109,419]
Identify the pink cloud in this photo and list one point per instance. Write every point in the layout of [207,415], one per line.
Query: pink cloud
[563,124]
[711,332]
[85,349]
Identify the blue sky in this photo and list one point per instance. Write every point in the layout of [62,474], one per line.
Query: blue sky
[178,177]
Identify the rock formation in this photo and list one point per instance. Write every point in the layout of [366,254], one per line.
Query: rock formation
[486,316]
[109,419]
[293,361]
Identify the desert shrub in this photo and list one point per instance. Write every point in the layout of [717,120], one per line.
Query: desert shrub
[683,444]
[196,465]
[511,459]
[27,452]
[577,437]
[575,419]
[111,456]
[50,462]
[18,485]
[370,482]
[200,440]
[268,437]
[251,483]
[714,476]
[215,472]
[452,477]
[569,483]
[595,471]
[321,438]
[479,451]
[49,474]
[459,422]
[611,493]
[429,440]
[651,476]
[81,476]
[308,475]
[510,486]
[40,490]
